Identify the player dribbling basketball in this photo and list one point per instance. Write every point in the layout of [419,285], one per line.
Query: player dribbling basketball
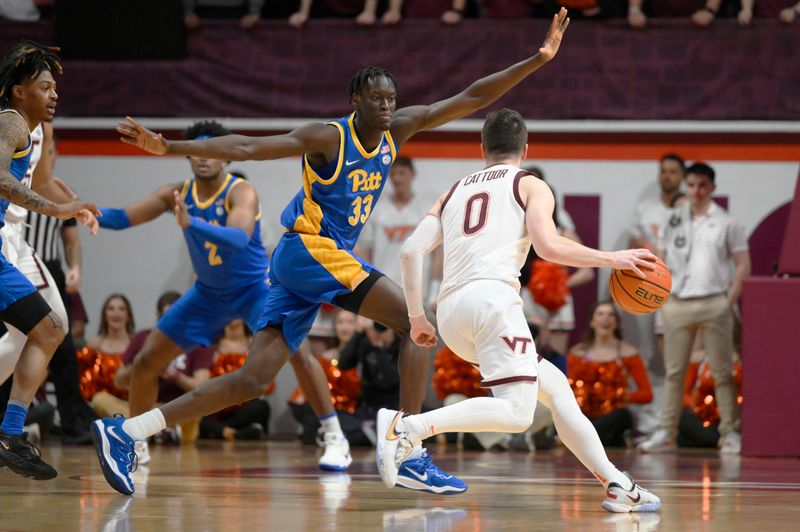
[487,222]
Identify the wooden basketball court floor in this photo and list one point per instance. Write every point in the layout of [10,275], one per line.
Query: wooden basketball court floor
[276,486]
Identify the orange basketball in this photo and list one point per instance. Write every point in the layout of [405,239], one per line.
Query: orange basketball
[641,296]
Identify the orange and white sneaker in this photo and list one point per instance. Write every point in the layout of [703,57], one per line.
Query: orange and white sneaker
[393,447]
[636,499]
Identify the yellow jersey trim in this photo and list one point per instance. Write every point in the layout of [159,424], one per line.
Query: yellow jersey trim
[207,203]
[314,175]
[237,181]
[392,147]
[228,194]
[338,262]
[185,188]
[351,124]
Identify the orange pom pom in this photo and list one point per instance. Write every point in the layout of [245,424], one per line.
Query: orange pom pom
[548,284]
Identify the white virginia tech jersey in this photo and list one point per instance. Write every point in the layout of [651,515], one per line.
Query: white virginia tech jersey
[16,213]
[483,220]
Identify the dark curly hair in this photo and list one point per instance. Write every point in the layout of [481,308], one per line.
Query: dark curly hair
[25,61]
[366,75]
[207,128]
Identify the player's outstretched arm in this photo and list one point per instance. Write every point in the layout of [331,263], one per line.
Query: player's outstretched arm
[481,93]
[14,134]
[311,138]
[151,207]
[549,245]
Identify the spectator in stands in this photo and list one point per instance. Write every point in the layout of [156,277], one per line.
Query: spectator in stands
[374,349]
[449,11]
[391,16]
[599,369]
[248,12]
[705,16]
[99,360]
[701,241]
[365,12]
[345,386]
[248,421]
[789,14]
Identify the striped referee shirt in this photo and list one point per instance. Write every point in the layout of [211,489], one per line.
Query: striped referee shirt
[43,234]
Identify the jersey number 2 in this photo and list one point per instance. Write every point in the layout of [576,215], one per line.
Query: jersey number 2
[358,204]
[213,258]
[473,224]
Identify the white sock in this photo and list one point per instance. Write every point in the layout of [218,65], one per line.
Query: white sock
[330,424]
[143,426]
[575,429]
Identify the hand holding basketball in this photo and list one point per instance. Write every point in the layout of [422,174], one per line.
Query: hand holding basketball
[641,294]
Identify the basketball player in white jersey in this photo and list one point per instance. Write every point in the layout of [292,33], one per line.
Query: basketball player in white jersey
[22,255]
[487,222]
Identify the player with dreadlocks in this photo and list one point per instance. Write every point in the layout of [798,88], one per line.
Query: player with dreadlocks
[27,99]
[346,163]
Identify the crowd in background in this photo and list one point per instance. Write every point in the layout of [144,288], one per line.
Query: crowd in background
[250,13]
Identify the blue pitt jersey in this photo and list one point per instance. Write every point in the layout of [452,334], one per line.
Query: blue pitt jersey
[336,201]
[216,267]
[20,161]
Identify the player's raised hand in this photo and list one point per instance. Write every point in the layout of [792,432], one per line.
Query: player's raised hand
[181,211]
[634,260]
[87,218]
[552,41]
[134,133]
[423,332]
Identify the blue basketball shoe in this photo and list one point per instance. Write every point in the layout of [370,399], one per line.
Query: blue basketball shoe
[396,468]
[116,452]
[422,474]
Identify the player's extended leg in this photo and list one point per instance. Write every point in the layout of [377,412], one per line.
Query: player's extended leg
[580,437]
[509,410]
[114,438]
[312,380]
[156,354]
[384,303]
[29,373]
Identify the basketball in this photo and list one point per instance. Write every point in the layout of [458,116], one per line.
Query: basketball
[641,296]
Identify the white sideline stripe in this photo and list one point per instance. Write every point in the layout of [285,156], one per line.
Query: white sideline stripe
[468,125]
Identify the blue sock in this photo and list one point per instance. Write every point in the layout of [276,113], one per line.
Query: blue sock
[14,419]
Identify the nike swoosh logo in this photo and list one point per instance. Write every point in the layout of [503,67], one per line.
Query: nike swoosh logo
[350,163]
[391,433]
[113,432]
[5,445]
[423,478]
[637,499]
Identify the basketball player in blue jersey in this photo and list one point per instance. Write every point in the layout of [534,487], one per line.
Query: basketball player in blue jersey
[220,217]
[27,98]
[345,166]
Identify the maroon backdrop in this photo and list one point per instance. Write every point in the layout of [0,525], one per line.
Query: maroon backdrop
[604,70]
[585,211]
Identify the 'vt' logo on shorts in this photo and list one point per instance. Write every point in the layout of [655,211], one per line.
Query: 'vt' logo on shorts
[517,340]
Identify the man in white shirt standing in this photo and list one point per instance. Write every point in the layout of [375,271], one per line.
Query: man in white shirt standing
[701,240]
